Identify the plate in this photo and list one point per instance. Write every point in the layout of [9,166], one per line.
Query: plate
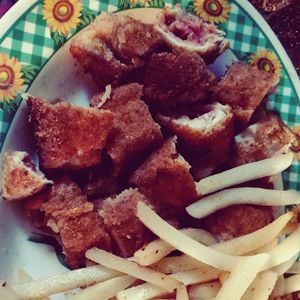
[34,50]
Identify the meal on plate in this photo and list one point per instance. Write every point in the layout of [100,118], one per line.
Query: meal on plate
[164,187]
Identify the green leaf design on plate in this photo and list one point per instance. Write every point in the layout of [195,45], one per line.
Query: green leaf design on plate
[87,17]
[123,4]
[58,38]
[157,3]
[191,7]
[29,72]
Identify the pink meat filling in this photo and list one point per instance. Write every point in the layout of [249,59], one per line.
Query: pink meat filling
[189,29]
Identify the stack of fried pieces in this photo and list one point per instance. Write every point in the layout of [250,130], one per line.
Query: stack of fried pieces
[160,122]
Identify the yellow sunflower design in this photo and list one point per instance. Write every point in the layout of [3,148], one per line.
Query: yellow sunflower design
[266,60]
[62,15]
[11,81]
[296,144]
[214,11]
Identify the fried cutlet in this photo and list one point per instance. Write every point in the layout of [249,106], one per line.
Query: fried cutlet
[262,140]
[20,178]
[135,133]
[177,78]
[164,178]
[64,209]
[113,46]
[119,214]
[244,88]
[237,220]
[68,136]
[205,138]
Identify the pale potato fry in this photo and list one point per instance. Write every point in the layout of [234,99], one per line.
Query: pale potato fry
[256,239]
[279,287]
[284,267]
[182,242]
[292,284]
[204,290]
[223,277]
[241,277]
[123,265]
[158,249]
[244,173]
[264,248]
[295,269]
[181,293]
[244,195]
[6,292]
[284,251]
[149,291]
[64,282]
[104,290]
[264,285]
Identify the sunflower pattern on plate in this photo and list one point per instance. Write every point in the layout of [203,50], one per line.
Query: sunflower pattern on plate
[214,11]
[266,60]
[11,81]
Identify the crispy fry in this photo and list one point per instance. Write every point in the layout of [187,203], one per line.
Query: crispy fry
[181,293]
[204,290]
[284,267]
[264,284]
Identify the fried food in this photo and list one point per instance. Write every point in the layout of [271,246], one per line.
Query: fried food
[206,139]
[114,46]
[135,133]
[262,140]
[237,220]
[69,136]
[165,179]
[244,88]
[165,87]
[119,215]
[65,210]
[20,178]
[185,31]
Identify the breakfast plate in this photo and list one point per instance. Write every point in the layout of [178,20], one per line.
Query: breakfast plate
[35,59]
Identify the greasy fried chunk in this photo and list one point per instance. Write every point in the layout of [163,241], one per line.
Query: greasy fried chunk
[20,179]
[69,136]
[243,88]
[135,133]
[119,215]
[237,220]
[165,179]
[175,78]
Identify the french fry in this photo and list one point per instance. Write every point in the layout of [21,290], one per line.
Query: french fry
[223,277]
[295,269]
[123,265]
[204,290]
[244,173]
[241,277]
[292,284]
[256,239]
[182,242]
[284,267]
[104,290]
[244,195]
[279,288]
[6,292]
[264,248]
[64,282]
[149,291]
[285,250]
[181,293]
[158,249]
[264,284]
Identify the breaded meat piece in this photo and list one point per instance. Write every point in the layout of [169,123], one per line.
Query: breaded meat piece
[205,137]
[68,136]
[176,78]
[262,140]
[237,220]
[119,214]
[113,46]
[20,178]
[244,88]
[135,133]
[64,209]
[185,31]
[164,178]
